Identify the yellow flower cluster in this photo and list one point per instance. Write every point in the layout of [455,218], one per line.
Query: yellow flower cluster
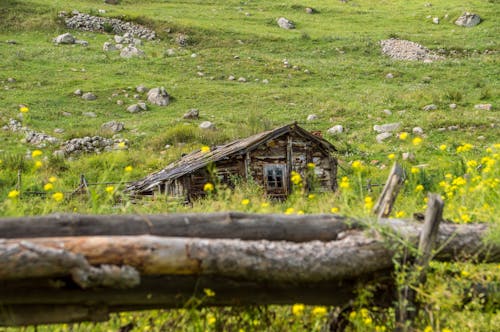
[368,203]
[357,165]
[245,201]
[208,292]
[298,309]
[319,311]
[208,187]
[296,178]
[344,183]
[205,149]
[464,148]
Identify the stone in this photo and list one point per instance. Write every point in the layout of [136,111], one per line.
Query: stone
[89,114]
[119,102]
[113,126]
[453,106]
[101,11]
[389,76]
[65,38]
[119,39]
[484,107]
[388,127]
[401,49]
[134,108]
[387,112]
[182,40]
[453,128]
[468,20]
[89,96]
[131,52]
[81,42]
[231,78]
[191,114]
[107,47]
[142,106]
[312,117]
[337,129]
[207,125]
[265,81]
[58,130]
[417,131]
[309,10]
[382,137]
[78,92]
[408,156]
[158,96]
[170,52]
[430,107]
[285,23]
[242,80]
[66,113]
[11,80]
[435,20]
[194,55]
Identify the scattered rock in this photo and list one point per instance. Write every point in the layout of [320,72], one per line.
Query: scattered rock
[484,107]
[387,112]
[11,80]
[285,23]
[194,55]
[265,81]
[89,114]
[231,78]
[242,80]
[182,40]
[131,51]
[170,52]
[417,131]
[435,20]
[66,113]
[38,139]
[192,114]
[453,128]
[400,49]
[309,10]
[389,76]
[95,144]
[85,22]
[65,38]
[89,96]
[141,89]
[337,129]
[207,125]
[312,117]
[158,96]
[113,126]
[108,47]
[408,156]
[119,102]
[382,136]
[81,42]
[135,108]
[453,106]
[388,127]
[78,92]
[468,20]
[58,130]
[430,107]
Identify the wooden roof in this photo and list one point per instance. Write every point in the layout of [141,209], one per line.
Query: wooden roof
[198,159]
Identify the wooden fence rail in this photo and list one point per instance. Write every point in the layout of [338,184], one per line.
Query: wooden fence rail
[68,268]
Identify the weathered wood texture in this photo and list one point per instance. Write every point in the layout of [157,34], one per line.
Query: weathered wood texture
[387,197]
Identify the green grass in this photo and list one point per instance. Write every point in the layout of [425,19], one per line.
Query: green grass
[346,85]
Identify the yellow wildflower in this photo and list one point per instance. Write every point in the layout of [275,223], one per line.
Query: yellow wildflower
[458,181]
[208,292]
[464,217]
[464,273]
[380,328]
[415,170]
[38,164]
[448,176]
[122,145]
[36,153]
[319,311]
[205,149]
[264,204]
[400,214]
[300,212]
[128,169]
[417,141]
[419,188]
[24,109]
[344,183]
[471,164]
[52,179]
[311,196]
[368,202]
[428,328]
[403,136]
[334,210]
[352,315]
[290,210]
[110,189]
[446,330]
[211,319]
[296,178]
[208,187]
[48,186]
[464,148]
[311,165]
[391,156]
[357,165]
[13,194]
[367,320]
[442,147]
[58,196]
[245,201]
[298,309]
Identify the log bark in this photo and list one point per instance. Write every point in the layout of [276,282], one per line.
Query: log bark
[235,225]
[389,193]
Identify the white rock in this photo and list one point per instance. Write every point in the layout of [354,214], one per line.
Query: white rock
[89,96]
[242,80]
[453,106]
[285,23]
[430,107]
[435,20]
[312,117]
[131,51]
[388,127]
[90,114]
[265,81]
[389,76]
[107,47]
[387,112]
[383,136]
[484,107]
[194,55]
[65,38]
[159,96]
[468,20]
[408,156]
[231,78]
[134,108]
[337,129]
[417,131]
[207,125]
[78,92]
[118,39]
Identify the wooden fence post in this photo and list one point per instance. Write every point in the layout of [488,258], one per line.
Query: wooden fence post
[391,189]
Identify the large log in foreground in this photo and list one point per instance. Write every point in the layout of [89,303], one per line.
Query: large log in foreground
[105,273]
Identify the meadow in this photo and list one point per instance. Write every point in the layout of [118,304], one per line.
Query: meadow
[336,72]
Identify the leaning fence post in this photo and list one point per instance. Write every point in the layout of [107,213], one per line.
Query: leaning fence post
[391,189]
[19,181]
[417,275]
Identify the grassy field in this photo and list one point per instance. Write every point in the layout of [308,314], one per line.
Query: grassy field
[340,77]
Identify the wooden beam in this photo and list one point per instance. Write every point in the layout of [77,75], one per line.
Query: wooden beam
[386,200]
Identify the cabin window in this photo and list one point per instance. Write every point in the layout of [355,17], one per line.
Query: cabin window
[274,176]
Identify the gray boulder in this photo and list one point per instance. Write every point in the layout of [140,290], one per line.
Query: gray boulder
[89,96]
[337,129]
[158,96]
[285,23]
[192,114]
[468,20]
[131,52]
[207,125]
[109,47]
[65,38]
[382,137]
[430,107]
[388,127]
[141,89]
[114,126]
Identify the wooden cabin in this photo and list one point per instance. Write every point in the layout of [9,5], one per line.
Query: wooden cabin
[268,158]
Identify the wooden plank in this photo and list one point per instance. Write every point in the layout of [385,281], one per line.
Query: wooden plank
[386,200]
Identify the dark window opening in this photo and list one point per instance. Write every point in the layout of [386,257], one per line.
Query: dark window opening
[274,176]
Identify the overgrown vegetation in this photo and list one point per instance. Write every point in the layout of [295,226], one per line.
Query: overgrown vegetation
[345,83]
